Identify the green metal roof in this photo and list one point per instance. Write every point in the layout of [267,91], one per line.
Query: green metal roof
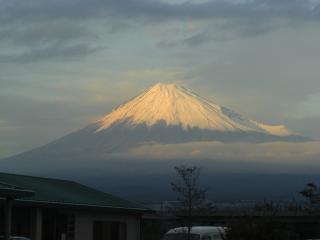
[11,191]
[63,192]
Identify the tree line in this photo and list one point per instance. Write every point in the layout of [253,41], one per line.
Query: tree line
[193,203]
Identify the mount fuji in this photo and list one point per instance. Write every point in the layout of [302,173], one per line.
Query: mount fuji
[168,114]
[165,114]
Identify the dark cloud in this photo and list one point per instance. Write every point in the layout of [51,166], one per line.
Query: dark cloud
[57,40]
[43,34]
[196,39]
[246,19]
[16,11]
[192,41]
[54,29]
[45,10]
[213,9]
[54,52]
[46,30]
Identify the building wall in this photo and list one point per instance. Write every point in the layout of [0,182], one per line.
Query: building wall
[84,224]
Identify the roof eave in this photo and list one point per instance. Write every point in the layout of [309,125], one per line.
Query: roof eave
[79,206]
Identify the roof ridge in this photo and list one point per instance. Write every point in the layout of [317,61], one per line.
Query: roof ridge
[46,178]
[10,185]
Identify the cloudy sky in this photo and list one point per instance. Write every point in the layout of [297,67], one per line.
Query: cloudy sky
[64,63]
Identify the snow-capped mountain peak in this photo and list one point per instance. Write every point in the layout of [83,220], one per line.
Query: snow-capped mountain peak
[175,105]
[164,114]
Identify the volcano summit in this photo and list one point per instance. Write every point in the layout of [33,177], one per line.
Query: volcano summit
[176,106]
[166,114]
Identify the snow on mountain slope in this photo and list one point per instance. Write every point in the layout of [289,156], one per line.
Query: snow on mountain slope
[279,130]
[178,106]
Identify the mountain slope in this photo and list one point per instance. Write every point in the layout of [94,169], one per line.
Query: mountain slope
[165,113]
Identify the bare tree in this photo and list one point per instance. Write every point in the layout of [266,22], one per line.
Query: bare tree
[312,193]
[191,197]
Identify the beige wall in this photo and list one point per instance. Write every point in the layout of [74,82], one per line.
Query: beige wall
[84,224]
[36,220]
